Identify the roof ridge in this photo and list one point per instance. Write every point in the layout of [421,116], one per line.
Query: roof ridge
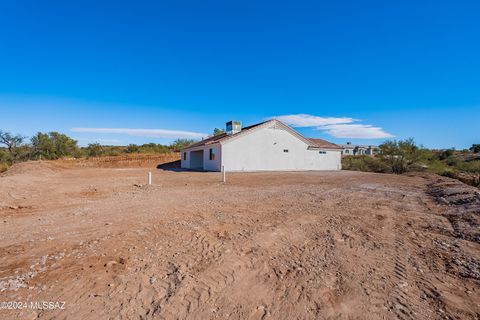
[224,136]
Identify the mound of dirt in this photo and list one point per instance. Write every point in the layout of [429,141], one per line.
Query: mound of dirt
[469,178]
[464,206]
[37,168]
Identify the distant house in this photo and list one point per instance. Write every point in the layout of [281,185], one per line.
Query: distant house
[266,146]
[355,150]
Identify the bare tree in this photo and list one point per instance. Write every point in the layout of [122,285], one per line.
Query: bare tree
[11,142]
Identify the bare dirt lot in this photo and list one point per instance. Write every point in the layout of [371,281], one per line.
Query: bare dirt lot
[311,245]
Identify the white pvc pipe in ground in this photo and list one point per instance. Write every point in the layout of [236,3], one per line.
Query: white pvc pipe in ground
[224,174]
[150,177]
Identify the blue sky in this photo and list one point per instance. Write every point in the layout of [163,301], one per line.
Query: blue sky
[359,71]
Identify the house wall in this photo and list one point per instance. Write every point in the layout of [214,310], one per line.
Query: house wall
[262,150]
[348,151]
[212,165]
[185,163]
[359,150]
[209,165]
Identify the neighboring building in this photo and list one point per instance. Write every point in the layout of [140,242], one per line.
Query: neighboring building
[355,150]
[267,146]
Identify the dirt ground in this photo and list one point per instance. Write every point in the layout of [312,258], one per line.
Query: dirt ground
[310,245]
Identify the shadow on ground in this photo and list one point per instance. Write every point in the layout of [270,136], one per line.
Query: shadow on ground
[175,166]
[171,166]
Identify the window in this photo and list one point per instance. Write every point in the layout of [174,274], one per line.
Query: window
[322,152]
[212,154]
[184,156]
[285,150]
[347,151]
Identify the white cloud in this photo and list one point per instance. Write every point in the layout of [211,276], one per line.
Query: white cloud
[307,120]
[343,127]
[360,131]
[150,133]
[98,140]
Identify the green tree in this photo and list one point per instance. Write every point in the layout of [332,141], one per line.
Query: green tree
[475,148]
[218,131]
[43,147]
[401,155]
[64,145]
[179,144]
[53,145]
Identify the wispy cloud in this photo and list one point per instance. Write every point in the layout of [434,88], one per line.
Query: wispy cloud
[343,127]
[359,131]
[99,140]
[150,133]
[308,120]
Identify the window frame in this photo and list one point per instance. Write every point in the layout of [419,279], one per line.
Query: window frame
[211,154]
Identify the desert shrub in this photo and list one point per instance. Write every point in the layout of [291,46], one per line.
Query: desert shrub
[148,148]
[445,154]
[3,167]
[153,148]
[471,166]
[23,153]
[364,163]
[132,148]
[98,150]
[4,160]
[4,156]
[437,166]
[452,161]
[113,150]
[475,148]
[94,150]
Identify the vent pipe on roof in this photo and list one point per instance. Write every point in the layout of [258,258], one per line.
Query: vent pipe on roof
[233,127]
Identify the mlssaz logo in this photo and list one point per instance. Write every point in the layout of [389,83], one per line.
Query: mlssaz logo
[47,305]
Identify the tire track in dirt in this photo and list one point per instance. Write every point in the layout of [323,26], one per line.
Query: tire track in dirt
[280,246]
[414,295]
[215,271]
[400,303]
[178,286]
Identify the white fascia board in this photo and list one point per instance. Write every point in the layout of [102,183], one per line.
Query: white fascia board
[266,125]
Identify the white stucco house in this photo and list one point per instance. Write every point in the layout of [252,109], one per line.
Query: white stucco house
[266,146]
[350,149]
